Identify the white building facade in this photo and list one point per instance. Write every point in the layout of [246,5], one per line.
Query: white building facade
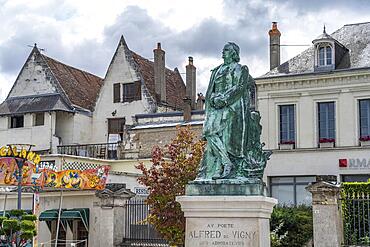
[315,111]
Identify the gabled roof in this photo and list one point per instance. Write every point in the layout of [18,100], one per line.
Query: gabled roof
[37,103]
[355,37]
[81,87]
[175,87]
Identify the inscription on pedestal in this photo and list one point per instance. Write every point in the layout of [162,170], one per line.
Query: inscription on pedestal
[221,232]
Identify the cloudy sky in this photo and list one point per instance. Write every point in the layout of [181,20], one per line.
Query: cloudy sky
[85,33]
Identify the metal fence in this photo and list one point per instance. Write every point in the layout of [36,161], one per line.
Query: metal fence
[100,150]
[356,220]
[138,232]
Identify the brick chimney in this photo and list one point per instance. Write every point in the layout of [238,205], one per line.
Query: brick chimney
[187,109]
[274,34]
[191,82]
[159,73]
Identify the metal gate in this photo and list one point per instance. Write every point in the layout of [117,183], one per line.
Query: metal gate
[138,232]
[356,219]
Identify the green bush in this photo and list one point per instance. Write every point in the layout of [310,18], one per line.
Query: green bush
[16,212]
[27,225]
[11,225]
[354,197]
[291,226]
[2,218]
[30,217]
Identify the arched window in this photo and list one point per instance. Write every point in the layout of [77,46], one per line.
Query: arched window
[325,55]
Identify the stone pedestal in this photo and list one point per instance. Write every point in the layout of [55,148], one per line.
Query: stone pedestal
[327,221]
[227,220]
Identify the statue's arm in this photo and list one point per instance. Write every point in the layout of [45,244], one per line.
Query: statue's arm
[235,92]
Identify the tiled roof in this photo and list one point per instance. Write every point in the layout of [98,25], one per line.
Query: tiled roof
[40,103]
[355,37]
[81,87]
[175,87]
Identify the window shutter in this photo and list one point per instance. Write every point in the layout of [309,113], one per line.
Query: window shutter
[116,92]
[138,90]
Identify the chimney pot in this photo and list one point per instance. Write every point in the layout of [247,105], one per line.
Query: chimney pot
[158,45]
[191,82]
[274,34]
[190,60]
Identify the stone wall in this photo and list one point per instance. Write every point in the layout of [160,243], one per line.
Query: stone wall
[147,138]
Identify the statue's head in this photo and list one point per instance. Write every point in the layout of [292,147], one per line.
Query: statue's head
[231,52]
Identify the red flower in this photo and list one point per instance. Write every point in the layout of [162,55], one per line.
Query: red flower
[365,138]
[326,140]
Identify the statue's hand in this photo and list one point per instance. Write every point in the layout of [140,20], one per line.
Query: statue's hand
[219,102]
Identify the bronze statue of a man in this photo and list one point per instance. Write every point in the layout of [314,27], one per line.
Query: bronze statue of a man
[231,127]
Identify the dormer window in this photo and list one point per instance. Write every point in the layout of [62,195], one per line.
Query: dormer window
[325,48]
[325,55]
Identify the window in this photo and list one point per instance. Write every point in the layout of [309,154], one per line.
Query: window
[287,124]
[364,106]
[326,116]
[325,56]
[291,190]
[116,92]
[116,126]
[131,91]
[356,178]
[17,121]
[39,119]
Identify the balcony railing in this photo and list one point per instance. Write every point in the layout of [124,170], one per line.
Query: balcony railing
[99,151]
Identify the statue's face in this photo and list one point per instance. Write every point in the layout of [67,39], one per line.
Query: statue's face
[227,52]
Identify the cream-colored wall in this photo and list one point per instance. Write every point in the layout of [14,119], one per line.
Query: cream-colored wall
[311,162]
[64,127]
[50,200]
[120,71]
[40,136]
[32,80]
[305,92]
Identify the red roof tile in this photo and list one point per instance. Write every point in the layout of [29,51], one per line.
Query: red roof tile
[175,87]
[81,87]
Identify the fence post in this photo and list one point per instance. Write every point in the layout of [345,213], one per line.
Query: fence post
[327,220]
[108,214]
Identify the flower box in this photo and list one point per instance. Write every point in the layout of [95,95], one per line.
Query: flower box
[286,145]
[365,140]
[326,144]
[364,143]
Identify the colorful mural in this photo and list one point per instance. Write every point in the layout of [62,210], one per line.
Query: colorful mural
[94,179]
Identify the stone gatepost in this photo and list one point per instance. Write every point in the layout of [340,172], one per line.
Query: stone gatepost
[327,220]
[107,223]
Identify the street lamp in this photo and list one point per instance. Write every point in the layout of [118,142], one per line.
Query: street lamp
[20,163]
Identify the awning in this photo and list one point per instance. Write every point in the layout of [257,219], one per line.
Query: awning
[49,215]
[77,214]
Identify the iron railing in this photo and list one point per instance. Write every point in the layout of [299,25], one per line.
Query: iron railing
[138,232]
[100,150]
[356,220]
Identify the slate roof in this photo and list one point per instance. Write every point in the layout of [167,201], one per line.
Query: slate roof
[175,87]
[355,37]
[40,103]
[81,87]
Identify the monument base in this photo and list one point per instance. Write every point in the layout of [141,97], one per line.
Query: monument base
[227,220]
[222,187]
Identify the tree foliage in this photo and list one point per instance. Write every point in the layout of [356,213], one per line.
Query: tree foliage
[291,226]
[17,229]
[172,168]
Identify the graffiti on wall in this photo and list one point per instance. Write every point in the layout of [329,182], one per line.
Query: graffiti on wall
[94,179]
